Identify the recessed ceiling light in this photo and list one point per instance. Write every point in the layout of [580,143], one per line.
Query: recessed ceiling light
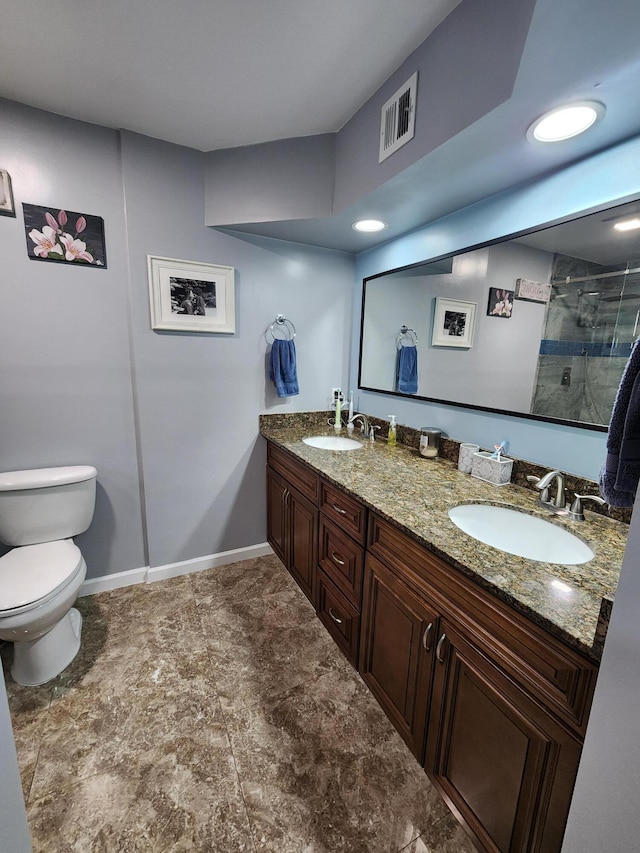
[369,225]
[565,122]
[627,224]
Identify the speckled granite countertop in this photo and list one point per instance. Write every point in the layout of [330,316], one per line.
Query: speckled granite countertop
[414,493]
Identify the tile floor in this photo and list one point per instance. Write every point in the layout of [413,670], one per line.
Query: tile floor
[213,712]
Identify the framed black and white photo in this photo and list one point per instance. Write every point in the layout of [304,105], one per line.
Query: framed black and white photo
[187,296]
[7,207]
[453,323]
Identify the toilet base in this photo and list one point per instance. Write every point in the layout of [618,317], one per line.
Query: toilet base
[38,661]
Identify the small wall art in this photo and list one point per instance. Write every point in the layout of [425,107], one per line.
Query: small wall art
[7,207]
[500,303]
[64,236]
[532,291]
[453,323]
[188,296]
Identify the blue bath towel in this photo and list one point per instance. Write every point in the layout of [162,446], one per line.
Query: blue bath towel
[407,370]
[620,473]
[282,368]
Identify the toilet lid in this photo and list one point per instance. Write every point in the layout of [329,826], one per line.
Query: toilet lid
[33,572]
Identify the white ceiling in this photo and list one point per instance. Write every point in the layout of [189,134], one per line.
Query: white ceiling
[208,74]
[223,73]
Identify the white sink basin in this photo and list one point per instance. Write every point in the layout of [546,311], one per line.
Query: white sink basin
[520,534]
[332,442]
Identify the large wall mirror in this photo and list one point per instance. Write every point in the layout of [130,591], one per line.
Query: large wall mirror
[538,325]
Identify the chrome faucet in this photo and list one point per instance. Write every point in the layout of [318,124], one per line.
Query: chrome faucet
[559,503]
[576,512]
[364,425]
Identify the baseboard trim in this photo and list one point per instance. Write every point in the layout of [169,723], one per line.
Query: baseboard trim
[186,567]
[147,574]
[114,581]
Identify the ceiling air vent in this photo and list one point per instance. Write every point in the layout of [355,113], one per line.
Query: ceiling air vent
[397,118]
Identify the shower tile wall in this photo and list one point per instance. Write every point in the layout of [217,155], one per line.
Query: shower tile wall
[589,330]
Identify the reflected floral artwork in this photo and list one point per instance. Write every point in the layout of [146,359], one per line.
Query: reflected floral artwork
[64,236]
[500,302]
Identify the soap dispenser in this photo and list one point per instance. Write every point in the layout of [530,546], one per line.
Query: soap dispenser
[391,435]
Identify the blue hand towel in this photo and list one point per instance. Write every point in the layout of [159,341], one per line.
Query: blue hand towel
[620,473]
[282,368]
[407,370]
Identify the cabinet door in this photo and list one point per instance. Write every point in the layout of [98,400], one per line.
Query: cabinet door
[277,514]
[397,641]
[303,539]
[505,766]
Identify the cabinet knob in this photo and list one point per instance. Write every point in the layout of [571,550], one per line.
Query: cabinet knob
[426,637]
[339,509]
[336,559]
[439,657]
[334,617]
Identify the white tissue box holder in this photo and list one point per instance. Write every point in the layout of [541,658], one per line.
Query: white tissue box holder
[496,471]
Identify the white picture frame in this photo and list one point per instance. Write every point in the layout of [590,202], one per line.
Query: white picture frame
[453,323]
[7,205]
[189,296]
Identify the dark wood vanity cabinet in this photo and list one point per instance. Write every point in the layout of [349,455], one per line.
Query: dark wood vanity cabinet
[503,763]
[292,518]
[493,706]
[341,537]
[397,647]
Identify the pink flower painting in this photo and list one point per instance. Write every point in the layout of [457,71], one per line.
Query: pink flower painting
[64,237]
[46,241]
[500,302]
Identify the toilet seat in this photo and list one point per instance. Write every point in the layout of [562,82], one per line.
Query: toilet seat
[33,574]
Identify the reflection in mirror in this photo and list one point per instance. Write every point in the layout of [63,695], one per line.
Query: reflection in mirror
[543,328]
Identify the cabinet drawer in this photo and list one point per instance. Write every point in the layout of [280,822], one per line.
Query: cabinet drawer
[339,617]
[344,511]
[341,559]
[297,475]
[558,677]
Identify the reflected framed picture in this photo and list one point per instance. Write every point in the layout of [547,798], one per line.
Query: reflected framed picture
[500,303]
[7,207]
[188,296]
[453,323]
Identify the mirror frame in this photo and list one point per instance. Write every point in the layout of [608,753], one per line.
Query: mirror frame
[465,250]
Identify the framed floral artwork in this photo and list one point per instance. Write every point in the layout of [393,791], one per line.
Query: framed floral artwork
[188,296]
[7,207]
[64,236]
[453,323]
[500,303]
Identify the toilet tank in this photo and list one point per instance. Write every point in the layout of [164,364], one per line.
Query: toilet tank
[46,504]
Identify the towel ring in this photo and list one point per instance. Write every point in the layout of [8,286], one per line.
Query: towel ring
[406,332]
[287,325]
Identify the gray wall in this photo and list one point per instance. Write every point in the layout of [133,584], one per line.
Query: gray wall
[65,376]
[604,812]
[13,817]
[315,176]
[199,396]
[169,420]
[287,179]
[455,88]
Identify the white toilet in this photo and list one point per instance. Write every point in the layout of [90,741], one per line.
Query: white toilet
[40,511]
